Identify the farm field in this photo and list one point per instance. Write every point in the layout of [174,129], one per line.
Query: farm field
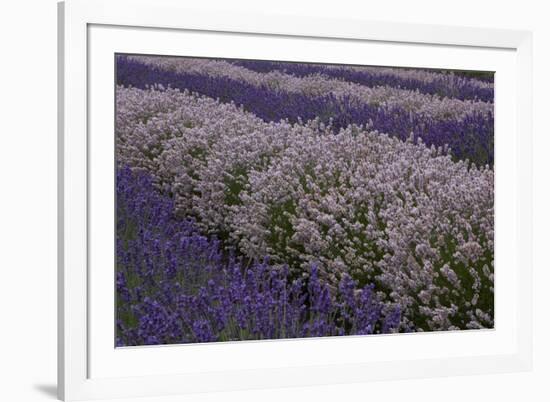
[267,200]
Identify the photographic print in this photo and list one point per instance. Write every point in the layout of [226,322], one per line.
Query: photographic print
[270,200]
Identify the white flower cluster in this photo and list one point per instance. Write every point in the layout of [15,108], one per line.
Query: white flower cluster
[399,214]
[425,76]
[319,85]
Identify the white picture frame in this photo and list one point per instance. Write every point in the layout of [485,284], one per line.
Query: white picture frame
[81,44]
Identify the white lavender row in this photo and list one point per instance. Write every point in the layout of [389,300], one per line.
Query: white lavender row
[419,74]
[319,85]
[398,214]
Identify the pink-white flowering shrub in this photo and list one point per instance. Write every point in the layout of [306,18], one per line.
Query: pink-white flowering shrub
[398,214]
[382,210]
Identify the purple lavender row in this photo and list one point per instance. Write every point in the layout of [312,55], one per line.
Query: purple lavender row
[176,286]
[447,85]
[469,138]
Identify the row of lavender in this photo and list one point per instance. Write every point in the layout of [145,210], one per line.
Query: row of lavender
[325,201]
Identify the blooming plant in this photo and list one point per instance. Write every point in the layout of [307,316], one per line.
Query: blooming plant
[262,200]
[175,285]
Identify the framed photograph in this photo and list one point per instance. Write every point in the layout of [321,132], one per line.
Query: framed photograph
[253,201]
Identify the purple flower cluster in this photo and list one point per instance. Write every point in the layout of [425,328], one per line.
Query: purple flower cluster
[448,85]
[470,137]
[176,286]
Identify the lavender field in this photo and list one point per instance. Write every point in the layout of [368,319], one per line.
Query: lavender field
[265,200]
